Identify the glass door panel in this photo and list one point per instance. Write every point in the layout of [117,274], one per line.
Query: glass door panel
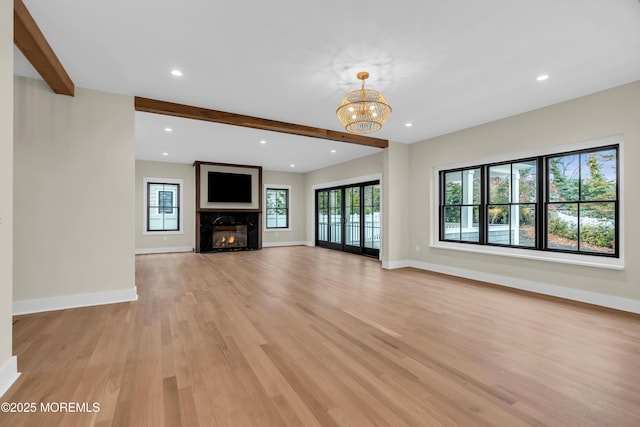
[322,220]
[335,216]
[372,224]
[352,216]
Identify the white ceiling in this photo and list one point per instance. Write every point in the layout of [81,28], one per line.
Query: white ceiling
[442,65]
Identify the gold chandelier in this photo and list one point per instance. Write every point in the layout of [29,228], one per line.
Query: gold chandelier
[364,110]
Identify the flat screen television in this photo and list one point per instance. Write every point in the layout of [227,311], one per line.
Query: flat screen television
[224,187]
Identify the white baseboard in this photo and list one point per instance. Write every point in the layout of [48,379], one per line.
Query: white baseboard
[74,301]
[8,374]
[145,251]
[276,244]
[609,301]
[390,265]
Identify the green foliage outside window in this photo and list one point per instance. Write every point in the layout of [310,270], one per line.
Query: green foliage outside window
[453,196]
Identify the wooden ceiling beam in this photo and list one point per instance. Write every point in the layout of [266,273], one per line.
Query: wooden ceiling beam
[189,112]
[35,47]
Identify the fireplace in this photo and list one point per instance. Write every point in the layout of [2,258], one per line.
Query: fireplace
[229,236]
[229,231]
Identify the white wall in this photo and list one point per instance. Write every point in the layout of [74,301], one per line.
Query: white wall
[337,174]
[74,199]
[8,369]
[297,206]
[612,112]
[166,242]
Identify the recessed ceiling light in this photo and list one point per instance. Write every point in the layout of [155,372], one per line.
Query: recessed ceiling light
[542,77]
[292,165]
[263,142]
[333,151]
[176,73]
[408,125]
[168,130]
[165,154]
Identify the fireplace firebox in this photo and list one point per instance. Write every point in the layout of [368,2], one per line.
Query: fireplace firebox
[228,231]
[229,236]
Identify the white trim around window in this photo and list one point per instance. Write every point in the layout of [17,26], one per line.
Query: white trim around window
[264,208]
[145,209]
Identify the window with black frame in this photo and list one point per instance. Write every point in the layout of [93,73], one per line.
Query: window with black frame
[511,209]
[277,209]
[582,201]
[565,202]
[163,208]
[461,194]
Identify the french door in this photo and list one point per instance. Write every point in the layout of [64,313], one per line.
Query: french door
[348,218]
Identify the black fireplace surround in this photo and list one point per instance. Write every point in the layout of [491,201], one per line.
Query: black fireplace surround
[209,220]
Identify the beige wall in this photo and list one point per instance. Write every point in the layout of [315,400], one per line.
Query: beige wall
[73,193]
[297,206]
[363,167]
[6,178]
[186,172]
[204,186]
[395,204]
[612,112]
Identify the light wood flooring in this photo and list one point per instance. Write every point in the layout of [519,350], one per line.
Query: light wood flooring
[305,336]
